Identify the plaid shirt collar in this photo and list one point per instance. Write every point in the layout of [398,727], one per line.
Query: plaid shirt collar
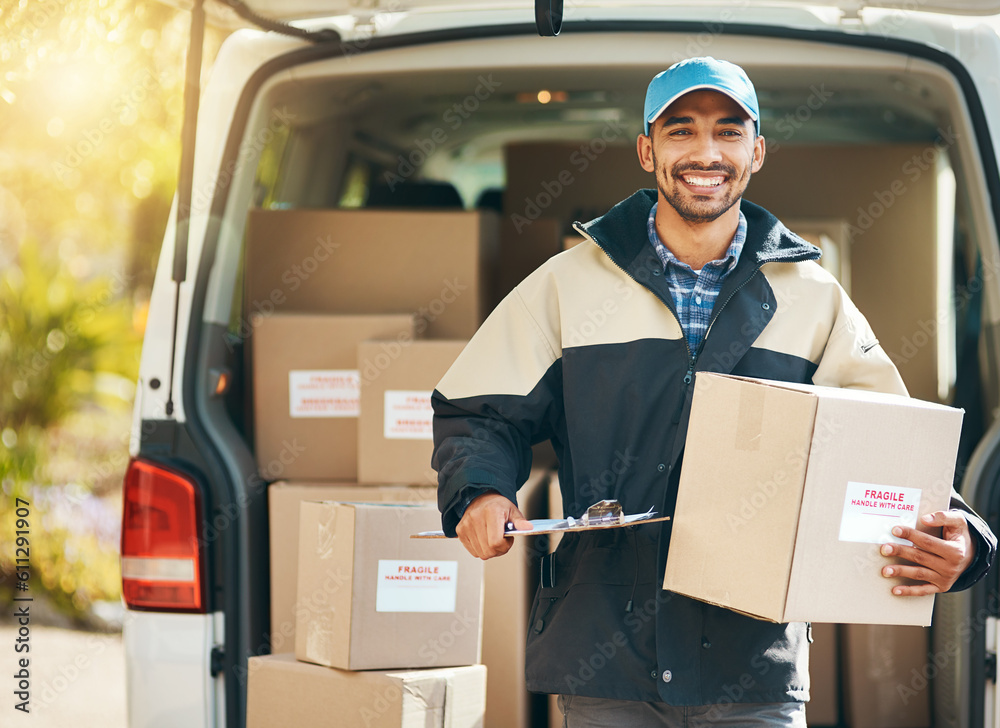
[727,263]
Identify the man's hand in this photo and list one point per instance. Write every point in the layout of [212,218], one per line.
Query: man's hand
[484,524]
[939,561]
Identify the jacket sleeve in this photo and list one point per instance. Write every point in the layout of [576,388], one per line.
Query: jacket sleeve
[502,395]
[853,358]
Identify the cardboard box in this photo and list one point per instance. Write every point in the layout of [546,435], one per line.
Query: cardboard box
[572,180]
[787,492]
[510,582]
[307,391]
[902,238]
[823,708]
[833,237]
[435,264]
[284,500]
[372,598]
[395,439]
[284,692]
[885,671]
[525,245]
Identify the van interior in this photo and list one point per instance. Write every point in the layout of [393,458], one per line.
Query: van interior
[871,154]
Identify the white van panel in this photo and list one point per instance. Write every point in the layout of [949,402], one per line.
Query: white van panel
[239,57]
[167,670]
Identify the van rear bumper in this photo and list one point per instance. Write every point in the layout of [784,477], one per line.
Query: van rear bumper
[168,670]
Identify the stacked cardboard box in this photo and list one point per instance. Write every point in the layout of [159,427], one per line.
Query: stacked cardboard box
[395,438]
[510,583]
[321,282]
[355,316]
[370,600]
[284,502]
[434,264]
[285,692]
[307,391]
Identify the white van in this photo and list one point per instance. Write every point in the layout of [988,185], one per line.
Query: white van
[882,121]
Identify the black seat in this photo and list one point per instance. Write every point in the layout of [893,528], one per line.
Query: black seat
[414,194]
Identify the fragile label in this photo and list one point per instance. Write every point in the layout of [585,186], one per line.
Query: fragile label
[408,415]
[870,512]
[416,586]
[324,393]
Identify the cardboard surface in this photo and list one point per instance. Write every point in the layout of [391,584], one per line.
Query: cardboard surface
[883,671]
[304,373]
[395,440]
[893,220]
[434,264]
[284,692]
[523,247]
[284,499]
[823,708]
[369,598]
[833,237]
[571,181]
[787,492]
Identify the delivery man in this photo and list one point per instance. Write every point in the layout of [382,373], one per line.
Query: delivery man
[597,351]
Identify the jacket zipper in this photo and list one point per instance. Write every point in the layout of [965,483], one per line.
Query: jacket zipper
[715,316]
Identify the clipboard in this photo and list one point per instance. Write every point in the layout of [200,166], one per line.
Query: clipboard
[608,518]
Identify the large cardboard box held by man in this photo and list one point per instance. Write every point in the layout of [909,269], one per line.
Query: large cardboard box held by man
[395,434]
[307,391]
[787,492]
[436,264]
[284,692]
[372,598]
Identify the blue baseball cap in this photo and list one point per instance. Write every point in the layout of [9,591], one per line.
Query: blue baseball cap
[693,74]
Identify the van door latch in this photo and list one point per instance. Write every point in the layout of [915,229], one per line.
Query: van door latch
[216,659]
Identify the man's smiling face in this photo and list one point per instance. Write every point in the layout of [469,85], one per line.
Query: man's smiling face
[703,150]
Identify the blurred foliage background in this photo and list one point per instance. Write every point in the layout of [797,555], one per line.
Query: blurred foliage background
[91,103]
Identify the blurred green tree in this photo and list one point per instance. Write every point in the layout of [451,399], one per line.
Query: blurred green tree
[90,114]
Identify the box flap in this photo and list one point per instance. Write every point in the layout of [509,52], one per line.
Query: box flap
[326,582]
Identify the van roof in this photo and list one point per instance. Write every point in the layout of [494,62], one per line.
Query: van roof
[291,10]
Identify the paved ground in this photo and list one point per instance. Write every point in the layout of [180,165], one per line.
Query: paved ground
[77,679]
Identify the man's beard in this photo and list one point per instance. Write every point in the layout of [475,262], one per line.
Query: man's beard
[694,210]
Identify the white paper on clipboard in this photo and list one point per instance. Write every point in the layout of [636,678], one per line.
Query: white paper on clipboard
[563,525]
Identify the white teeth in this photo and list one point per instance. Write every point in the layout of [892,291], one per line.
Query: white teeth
[704,181]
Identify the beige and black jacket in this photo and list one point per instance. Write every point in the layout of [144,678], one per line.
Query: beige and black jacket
[588,352]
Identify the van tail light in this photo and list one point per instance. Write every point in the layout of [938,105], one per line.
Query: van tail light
[162,564]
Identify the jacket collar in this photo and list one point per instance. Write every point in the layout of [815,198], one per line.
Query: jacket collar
[621,232]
